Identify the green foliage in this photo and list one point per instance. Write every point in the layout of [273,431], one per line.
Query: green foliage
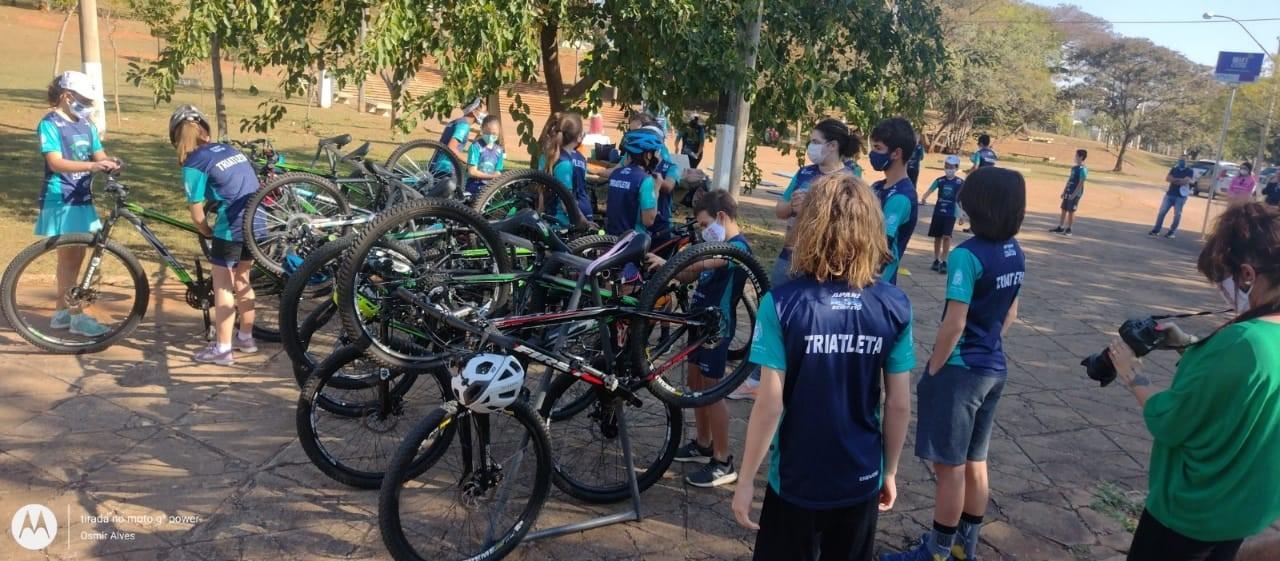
[1119,505]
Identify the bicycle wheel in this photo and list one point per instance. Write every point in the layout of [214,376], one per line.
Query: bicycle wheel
[115,297]
[587,446]
[351,434]
[517,190]
[747,306]
[479,499]
[266,314]
[663,350]
[430,167]
[308,296]
[438,249]
[278,217]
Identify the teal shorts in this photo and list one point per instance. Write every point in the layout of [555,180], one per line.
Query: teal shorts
[57,219]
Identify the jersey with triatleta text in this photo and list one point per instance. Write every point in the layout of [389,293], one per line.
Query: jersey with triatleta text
[987,275]
[833,344]
[631,191]
[221,173]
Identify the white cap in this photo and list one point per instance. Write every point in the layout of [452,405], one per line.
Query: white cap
[952,160]
[472,107]
[79,83]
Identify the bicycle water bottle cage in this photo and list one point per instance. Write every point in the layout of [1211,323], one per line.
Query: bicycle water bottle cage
[630,249]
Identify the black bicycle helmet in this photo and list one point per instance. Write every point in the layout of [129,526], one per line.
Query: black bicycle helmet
[183,114]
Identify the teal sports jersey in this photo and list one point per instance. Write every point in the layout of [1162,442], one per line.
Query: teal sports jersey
[218,172]
[631,192]
[662,221]
[984,157]
[1075,182]
[987,276]
[901,214]
[458,129]
[948,189]
[489,158]
[833,344]
[76,141]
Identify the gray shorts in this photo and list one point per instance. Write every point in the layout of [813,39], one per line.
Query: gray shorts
[956,410]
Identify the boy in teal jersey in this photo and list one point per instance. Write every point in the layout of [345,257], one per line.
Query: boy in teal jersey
[486,158]
[943,223]
[891,144]
[1072,193]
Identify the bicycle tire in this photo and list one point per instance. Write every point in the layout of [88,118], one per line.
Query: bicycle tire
[599,422]
[656,286]
[9,298]
[317,185]
[313,402]
[270,286]
[295,292]
[371,236]
[752,308]
[459,168]
[486,197]
[390,520]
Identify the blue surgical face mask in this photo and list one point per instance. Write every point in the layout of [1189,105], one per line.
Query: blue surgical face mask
[1182,163]
[490,139]
[880,160]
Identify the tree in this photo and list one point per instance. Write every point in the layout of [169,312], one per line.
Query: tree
[1126,78]
[68,8]
[974,87]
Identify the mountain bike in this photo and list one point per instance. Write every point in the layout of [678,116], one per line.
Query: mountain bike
[113,287]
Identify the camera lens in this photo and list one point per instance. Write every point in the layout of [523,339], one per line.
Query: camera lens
[1100,368]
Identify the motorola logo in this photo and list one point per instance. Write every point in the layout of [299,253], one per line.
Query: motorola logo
[34,527]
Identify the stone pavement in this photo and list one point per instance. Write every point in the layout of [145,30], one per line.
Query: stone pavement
[144,456]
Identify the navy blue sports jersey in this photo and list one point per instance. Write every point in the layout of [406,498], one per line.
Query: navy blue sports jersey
[722,286]
[833,344]
[984,157]
[901,213]
[221,173]
[76,141]
[1179,173]
[1075,182]
[631,191]
[662,222]
[948,194]
[987,276]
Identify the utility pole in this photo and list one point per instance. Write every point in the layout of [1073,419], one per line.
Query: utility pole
[92,60]
[364,26]
[1213,179]
[1259,161]
[741,111]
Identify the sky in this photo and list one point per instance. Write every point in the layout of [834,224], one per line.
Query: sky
[1200,42]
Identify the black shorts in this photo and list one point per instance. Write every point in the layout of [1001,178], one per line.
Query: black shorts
[789,532]
[941,226]
[1070,205]
[228,254]
[1153,540]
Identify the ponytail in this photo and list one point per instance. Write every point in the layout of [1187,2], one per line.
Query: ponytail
[848,142]
[562,129]
[54,93]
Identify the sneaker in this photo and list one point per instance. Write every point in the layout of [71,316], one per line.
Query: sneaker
[1169,236]
[1067,232]
[942,267]
[246,345]
[211,355]
[747,391]
[1057,230]
[923,552]
[713,474]
[82,324]
[693,452]
[934,266]
[1153,233]
[61,320]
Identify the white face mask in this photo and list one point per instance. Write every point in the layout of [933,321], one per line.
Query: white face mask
[714,232]
[81,110]
[1234,295]
[817,152]
[951,172]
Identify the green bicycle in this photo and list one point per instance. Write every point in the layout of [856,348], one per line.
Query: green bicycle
[113,287]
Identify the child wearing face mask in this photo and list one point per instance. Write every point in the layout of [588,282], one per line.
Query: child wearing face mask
[891,144]
[943,223]
[72,152]
[717,213]
[486,157]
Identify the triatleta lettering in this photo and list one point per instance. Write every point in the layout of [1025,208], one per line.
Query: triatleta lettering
[832,343]
[226,164]
[620,184]
[1008,280]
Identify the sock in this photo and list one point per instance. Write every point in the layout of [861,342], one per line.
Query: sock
[222,349]
[243,337]
[940,539]
[966,543]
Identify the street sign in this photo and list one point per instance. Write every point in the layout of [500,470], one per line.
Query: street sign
[1238,68]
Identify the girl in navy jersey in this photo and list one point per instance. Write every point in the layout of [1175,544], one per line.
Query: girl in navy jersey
[560,157]
[958,393]
[828,341]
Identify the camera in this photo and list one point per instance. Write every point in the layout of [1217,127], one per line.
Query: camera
[1142,337]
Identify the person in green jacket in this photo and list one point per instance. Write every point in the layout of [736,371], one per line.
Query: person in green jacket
[1216,431]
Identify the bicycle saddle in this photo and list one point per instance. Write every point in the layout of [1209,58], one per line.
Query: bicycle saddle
[630,249]
[358,153]
[518,222]
[377,169]
[336,141]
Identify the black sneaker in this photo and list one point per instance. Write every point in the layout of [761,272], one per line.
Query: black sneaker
[1057,230]
[1067,232]
[713,474]
[934,267]
[1153,233]
[692,452]
[942,267]
[1169,236]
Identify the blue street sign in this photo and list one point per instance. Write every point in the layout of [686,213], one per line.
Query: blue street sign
[1238,68]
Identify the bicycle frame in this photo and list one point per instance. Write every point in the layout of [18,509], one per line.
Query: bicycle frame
[134,214]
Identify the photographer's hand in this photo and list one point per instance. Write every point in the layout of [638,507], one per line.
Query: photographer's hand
[1127,371]
[1174,337]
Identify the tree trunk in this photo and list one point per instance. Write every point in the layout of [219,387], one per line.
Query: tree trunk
[62,34]
[115,65]
[393,88]
[1124,146]
[549,42]
[219,103]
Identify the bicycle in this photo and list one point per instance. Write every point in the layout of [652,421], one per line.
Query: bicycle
[486,474]
[114,283]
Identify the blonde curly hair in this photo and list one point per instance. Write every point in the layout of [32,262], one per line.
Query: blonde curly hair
[840,234]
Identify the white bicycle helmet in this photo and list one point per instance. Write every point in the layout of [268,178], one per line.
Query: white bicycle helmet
[183,114]
[489,382]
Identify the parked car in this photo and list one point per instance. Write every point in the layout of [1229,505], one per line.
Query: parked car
[1226,172]
[1266,174]
[1198,169]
